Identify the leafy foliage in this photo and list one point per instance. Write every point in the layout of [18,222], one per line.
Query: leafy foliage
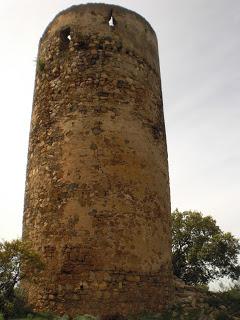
[201,250]
[229,297]
[13,255]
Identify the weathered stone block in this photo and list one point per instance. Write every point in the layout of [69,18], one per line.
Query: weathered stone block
[133,278]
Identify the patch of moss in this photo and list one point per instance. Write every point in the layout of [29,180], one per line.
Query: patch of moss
[40,65]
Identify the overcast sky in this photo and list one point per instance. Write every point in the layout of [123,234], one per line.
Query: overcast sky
[199,47]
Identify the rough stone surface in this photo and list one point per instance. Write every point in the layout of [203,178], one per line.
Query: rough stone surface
[195,303]
[97,204]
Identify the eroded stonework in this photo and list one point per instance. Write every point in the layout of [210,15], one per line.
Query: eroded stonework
[97,204]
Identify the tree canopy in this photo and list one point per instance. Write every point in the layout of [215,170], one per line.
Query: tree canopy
[14,254]
[201,250]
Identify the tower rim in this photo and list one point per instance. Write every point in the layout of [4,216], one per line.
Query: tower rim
[99,5]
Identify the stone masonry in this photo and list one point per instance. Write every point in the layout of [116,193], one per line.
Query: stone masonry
[97,204]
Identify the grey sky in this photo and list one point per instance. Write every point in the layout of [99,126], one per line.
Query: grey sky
[199,47]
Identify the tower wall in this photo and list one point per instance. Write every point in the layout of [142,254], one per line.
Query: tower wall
[97,202]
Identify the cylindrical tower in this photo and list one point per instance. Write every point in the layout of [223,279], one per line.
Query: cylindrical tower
[97,204]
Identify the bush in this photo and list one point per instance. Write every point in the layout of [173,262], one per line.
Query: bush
[223,315]
[116,316]
[85,317]
[15,307]
[13,255]
[230,299]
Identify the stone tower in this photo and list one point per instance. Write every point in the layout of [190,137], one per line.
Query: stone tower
[97,202]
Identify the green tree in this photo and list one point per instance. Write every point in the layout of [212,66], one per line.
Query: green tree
[13,255]
[201,250]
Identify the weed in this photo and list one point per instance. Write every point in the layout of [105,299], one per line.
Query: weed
[40,65]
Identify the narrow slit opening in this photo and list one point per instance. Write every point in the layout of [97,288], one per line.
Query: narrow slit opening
[111,20]
[65,38]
